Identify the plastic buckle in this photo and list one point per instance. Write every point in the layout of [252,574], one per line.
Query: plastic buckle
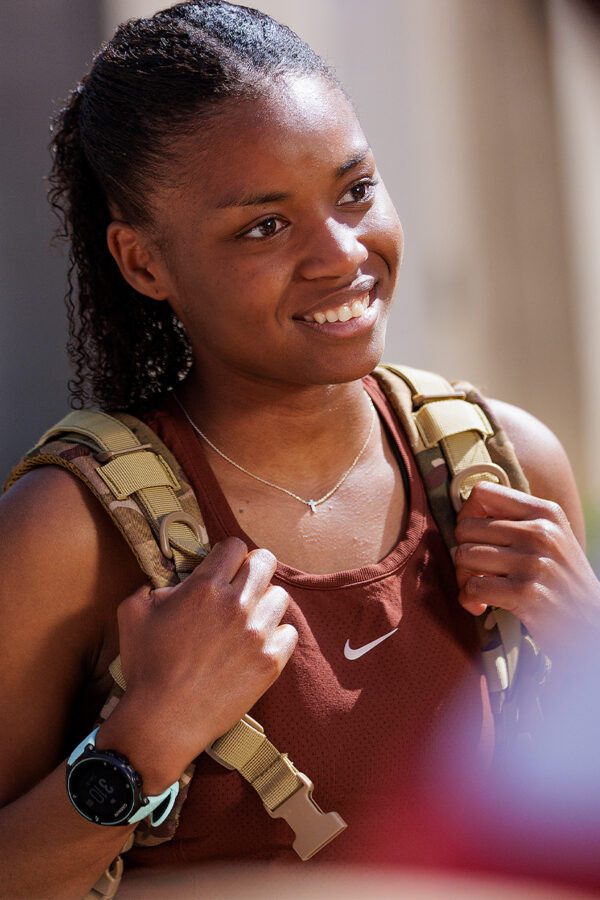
[313,828]
[420,400]
[486,468]
[176,516]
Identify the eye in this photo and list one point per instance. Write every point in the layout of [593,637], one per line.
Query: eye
[360,192]
[265,229]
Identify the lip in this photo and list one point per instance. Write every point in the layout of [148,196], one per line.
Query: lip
[350,328]
[346,295]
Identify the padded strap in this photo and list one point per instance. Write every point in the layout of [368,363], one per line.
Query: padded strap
[130,468]
[444,417]
[139,470]
[449,434]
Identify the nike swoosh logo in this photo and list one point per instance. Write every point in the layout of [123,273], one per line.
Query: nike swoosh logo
[349,653]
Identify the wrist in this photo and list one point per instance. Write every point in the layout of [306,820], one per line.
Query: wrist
[156,765]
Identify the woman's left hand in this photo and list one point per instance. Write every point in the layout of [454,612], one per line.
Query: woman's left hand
[519,553]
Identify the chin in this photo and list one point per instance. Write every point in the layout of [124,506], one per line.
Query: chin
[347,367]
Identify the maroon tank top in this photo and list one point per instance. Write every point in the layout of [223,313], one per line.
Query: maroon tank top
[370,731]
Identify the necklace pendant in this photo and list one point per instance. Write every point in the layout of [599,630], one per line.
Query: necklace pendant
[313,505]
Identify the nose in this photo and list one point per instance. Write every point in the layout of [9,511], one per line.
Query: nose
[335,250]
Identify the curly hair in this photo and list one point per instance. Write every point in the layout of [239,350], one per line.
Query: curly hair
[158,79]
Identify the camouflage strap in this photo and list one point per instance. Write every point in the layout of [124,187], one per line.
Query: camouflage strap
[457,442]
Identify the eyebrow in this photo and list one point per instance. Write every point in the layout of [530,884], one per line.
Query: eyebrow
[353,161]
[263,199]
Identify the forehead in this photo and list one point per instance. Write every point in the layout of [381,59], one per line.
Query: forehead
[294,125]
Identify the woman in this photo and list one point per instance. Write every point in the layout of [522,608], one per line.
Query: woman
[228,225]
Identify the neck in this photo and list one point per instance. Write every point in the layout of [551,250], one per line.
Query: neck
[302,430]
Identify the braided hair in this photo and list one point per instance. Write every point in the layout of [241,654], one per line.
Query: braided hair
[158,79]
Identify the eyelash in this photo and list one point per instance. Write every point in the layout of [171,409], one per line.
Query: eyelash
[369,183]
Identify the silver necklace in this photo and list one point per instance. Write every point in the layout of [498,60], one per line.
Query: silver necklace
[312,504]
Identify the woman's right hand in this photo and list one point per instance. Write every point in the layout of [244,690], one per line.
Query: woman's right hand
[196,657]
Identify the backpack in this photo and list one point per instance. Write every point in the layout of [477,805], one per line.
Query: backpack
[456,442]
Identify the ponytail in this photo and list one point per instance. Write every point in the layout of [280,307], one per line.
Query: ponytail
[157,79]
[124,349]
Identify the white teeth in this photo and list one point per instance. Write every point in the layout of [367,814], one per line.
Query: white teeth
[343,313]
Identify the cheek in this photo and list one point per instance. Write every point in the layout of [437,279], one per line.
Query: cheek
[382,234]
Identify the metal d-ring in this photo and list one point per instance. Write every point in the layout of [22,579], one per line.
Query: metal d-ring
[184,519]
[487,468]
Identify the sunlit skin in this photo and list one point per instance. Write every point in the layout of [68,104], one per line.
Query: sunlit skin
[266,386]
[285,399]
[240,276]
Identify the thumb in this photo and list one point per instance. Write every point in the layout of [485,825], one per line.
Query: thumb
[159,595]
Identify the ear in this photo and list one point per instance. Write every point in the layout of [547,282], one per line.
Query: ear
[139,260]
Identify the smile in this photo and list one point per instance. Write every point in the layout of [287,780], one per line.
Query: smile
[342,313]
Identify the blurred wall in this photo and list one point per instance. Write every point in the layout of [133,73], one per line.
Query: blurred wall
[483,121]
[45,45]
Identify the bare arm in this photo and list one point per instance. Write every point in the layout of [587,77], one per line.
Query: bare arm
[65,572]
[55,595]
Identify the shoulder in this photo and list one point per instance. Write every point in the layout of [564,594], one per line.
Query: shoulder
[544,461]
[65,568]
[52,521]
[64,564]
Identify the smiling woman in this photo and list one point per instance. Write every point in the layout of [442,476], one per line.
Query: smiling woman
[234,254]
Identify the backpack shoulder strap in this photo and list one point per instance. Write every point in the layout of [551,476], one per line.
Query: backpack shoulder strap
[142,487]
[138,482]
[457,441]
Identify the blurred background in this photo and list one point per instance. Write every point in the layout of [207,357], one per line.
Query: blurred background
[485,120]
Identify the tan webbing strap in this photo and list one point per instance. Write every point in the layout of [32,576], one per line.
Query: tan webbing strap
[130,469]
[285,792]
[453,427]
[444,417]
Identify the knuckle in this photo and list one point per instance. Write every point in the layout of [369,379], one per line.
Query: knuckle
[234,543]
[272,664]
[544,533]
[554,510]
[461,555]
[280,596]
[264,556]
[533,566]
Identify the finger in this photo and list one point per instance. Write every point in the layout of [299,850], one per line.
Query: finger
[254,576]
[487,559]
[270,609]
[492,590]
[223,562]
[540,537]
[501,533]
[282,644]
[495,501]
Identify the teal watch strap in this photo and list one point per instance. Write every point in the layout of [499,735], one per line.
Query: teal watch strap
[150,804]
[153,804]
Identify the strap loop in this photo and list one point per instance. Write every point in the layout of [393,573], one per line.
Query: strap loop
[459,491]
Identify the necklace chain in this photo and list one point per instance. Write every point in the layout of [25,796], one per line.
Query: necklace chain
[312,504]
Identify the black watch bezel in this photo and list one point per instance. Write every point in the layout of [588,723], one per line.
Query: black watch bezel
[91,772]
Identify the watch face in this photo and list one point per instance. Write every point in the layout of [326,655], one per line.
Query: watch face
[101,791]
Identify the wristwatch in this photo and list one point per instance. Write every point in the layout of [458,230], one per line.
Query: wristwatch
[104,788]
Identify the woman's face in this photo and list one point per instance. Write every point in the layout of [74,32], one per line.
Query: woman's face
[279,222]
